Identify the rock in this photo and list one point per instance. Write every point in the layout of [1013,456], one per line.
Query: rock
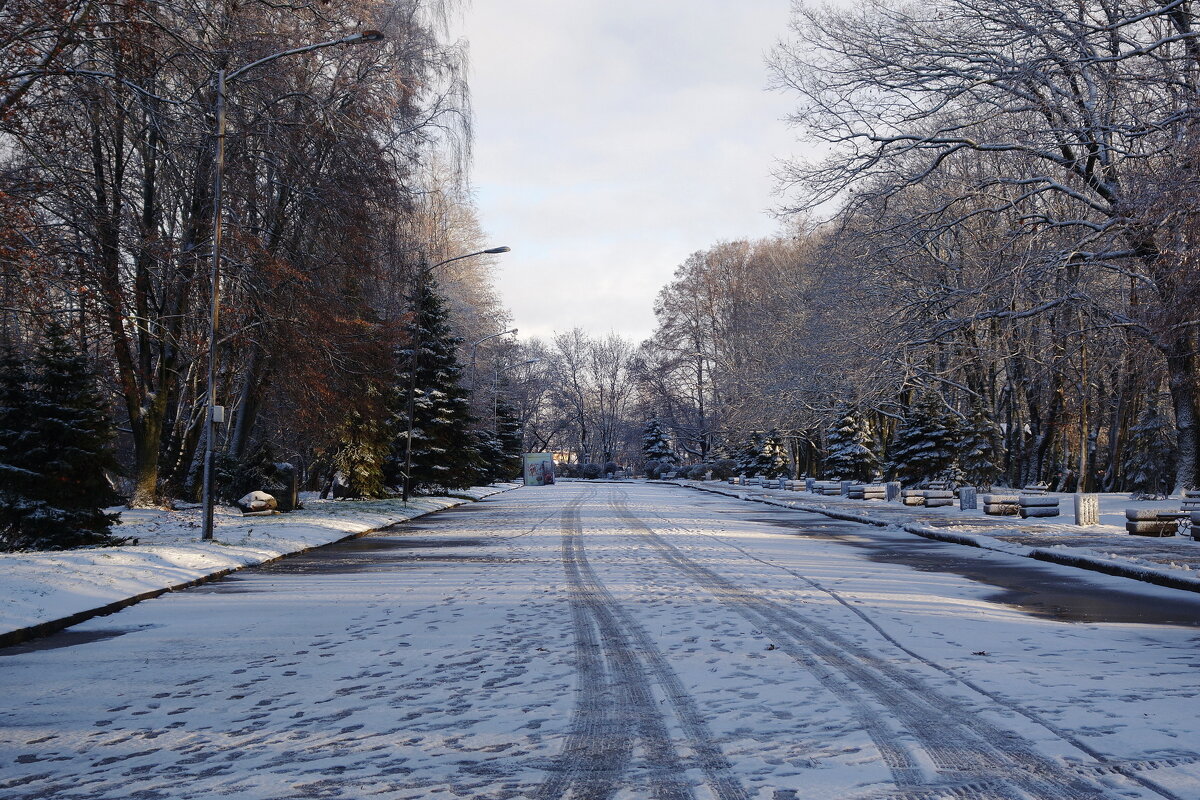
[257,501]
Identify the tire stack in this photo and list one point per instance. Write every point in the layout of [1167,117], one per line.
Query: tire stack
[1146,522]
[874,491]
[938,498]
[1038,504]
[1001,505]
[912,497]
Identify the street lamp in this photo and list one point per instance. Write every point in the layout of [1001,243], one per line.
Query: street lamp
[214,413]
[406,491]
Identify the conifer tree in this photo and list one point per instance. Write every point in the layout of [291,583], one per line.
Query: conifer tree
[18,473]
[69,439]
[364,444]
[444,453]
[1148,462]
[745,458]
[770,459]
[980,451]
[512,443]
[924,446]
[656,445]
[849,455]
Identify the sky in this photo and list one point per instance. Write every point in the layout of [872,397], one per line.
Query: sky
[613,138]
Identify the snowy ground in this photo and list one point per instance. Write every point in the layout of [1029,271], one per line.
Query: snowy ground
[609,641]
[41,588]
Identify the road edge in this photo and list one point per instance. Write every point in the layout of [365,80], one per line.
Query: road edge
[41,629]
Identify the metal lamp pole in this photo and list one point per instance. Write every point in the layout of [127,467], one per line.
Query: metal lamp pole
[215,413]
[406,492]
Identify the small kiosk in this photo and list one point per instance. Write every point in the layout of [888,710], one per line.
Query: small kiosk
[538,468]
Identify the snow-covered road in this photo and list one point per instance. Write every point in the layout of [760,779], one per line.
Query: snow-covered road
[605,640]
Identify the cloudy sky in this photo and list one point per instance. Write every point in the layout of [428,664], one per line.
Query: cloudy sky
[614,138]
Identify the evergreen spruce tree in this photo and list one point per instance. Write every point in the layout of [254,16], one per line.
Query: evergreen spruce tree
[512,443]
[363,446]
[444,452]
[491,456]
[18,473]
[745,458]
[1148,462]
[69,439]
[849,454]
[980,450]
[924,446]
[656,445]
[770,458]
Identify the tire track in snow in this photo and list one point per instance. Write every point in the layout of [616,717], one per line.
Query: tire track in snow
[616,705]
[963,748]
[1104,764]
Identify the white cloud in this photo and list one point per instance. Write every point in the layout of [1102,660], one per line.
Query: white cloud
[613,139]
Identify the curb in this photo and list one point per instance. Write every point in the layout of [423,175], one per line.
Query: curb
[21,635]
[1055,556]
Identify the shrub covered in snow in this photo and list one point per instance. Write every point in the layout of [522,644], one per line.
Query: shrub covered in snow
[590,471]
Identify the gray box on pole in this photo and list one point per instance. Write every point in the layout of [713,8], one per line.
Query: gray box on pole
[1087,509]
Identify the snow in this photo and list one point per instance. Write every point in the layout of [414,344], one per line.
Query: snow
[453,668]
[44,587]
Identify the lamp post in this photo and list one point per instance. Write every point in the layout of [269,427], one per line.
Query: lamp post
[214,413]
[406,492]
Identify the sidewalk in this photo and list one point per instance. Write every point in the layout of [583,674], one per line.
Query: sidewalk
[1170,561]
[50,590]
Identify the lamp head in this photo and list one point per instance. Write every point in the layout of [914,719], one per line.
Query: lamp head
[365,36]
[493,250]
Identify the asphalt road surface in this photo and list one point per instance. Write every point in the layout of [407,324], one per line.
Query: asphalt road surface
[619,641]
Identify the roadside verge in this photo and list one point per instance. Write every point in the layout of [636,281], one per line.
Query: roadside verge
[47,591]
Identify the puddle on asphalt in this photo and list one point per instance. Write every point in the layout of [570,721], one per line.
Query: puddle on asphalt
[1031,587]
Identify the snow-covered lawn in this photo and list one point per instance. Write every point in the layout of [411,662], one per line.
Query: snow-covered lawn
[44,587]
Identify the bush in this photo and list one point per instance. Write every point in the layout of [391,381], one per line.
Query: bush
[653,469]
[564,470]
[697,472]
[724,469]
[610,468]
[590,471]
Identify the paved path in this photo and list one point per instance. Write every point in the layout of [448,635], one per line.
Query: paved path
[600,641]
